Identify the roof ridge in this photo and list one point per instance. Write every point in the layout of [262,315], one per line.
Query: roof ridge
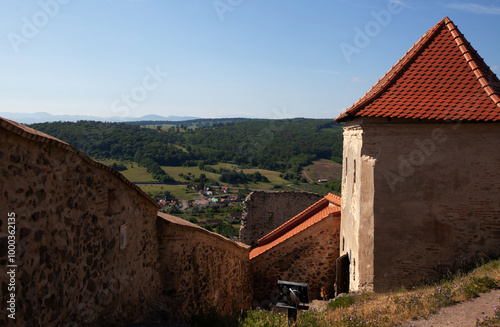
[469,53]
[299,218]
[401,92]
[37,136]
[294,231]
[394,72]
[334,198]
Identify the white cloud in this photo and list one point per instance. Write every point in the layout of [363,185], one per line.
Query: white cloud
[322,71]
[475,8]
[356,79]
[495,68]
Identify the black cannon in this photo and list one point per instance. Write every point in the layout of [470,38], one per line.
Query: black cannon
[291,295]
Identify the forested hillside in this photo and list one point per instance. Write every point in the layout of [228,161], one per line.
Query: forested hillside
[281,145]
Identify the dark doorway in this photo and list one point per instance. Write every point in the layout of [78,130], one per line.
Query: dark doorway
[342,268]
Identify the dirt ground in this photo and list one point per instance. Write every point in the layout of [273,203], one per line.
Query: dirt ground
[463,314]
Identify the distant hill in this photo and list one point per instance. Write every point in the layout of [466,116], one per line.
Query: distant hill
[43,117]
[285,145]
[160,118]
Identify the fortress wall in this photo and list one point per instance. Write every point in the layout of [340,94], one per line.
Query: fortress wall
[68,214]
[308,257]
[201,270]
[265,211]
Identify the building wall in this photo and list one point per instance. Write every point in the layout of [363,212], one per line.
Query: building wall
[265,211]
[308,257]
[436,198]
[69,210]
[201,270]
[356,232]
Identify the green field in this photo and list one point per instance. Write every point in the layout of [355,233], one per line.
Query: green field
[273,176]
[323,169]
[195,171]
[180,192]
[224,165]
[134,173]
[306,187]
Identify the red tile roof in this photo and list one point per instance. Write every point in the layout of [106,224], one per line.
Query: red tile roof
[329,205]
[335,199]
[441,77]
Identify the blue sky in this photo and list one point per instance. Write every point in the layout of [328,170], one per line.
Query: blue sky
[215,58]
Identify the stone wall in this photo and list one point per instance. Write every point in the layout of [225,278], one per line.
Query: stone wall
[265,211]
[434,191]
[68,214]
[308,257]
[201,270]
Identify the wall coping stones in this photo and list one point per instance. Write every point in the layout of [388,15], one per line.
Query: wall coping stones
[179,222]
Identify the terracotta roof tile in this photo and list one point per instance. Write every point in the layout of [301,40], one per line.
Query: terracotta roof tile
[314,219]
[440,77]
[37,136]
[298,219]
[335,199]
[329,205]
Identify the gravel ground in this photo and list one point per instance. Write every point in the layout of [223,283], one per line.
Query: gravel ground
[463,314]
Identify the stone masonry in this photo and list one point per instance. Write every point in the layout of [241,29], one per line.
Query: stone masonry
[92,249]
[201,270]
[265,211]
[69,214]
[308,257]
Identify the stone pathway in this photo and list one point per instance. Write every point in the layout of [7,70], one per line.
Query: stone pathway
[463,314]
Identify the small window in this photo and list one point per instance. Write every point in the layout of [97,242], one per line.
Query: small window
[343,244]
[346,165]
[354,172]
[123,236]
[353,269]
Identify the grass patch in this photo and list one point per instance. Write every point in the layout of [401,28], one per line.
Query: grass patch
[307,187]
[272,176]
[394,308]
[176,172]
[178,191]
[224,165]
[323,169]
[134,172]
[341,302]
[263,318]
[138,174]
